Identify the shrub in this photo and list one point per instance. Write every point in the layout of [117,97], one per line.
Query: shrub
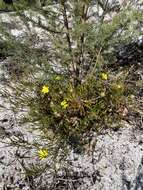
[67,91]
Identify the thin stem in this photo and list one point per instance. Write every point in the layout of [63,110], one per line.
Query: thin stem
[68,37]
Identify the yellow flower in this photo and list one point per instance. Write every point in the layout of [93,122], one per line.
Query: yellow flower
[43,153]
[64,104]
[45,89]
[104,76]
[57,78]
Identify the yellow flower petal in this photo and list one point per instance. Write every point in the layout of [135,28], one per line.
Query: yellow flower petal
[42,154]
[45,89]
[104,76]
[64,104]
